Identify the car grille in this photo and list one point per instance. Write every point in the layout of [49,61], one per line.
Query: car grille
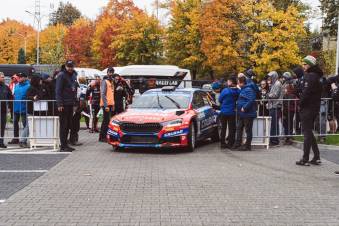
[141,128]
[139,139]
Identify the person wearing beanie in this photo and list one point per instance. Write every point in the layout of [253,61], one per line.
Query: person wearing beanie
[310,100]
[217,88]
[228,99]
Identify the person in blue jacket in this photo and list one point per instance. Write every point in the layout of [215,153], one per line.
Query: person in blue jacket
[227,100]
[247,112]
[20,105]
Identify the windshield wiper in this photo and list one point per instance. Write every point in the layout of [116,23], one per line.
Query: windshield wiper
[174,102]
[159,102]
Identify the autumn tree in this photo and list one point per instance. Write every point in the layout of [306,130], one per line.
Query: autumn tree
[51,44]
[65,14]
[107,27]
[21,56]
[183,39]
[78,42]
[330,9]
[223,38]
[138,40]
[273,35]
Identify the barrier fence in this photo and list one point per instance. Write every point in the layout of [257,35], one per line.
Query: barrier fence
[37,122]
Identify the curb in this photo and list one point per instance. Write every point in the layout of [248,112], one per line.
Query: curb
[324,147]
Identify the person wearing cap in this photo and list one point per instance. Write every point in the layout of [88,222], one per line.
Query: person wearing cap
[217,87]
[20,108]
[309,109]
[93,94]
[106,102]
[121,93]
[274,105]
[5,96]
[66,97]
[227,100]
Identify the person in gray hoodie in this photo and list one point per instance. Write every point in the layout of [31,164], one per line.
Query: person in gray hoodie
[275,102]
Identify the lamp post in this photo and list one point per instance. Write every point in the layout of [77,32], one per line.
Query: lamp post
[337,60]
[25,41]
[38,18]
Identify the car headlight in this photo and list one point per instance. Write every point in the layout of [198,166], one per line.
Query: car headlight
[115,123]
[176,122]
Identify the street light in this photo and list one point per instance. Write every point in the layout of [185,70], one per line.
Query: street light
[337,60]
[38,18]
[25,41]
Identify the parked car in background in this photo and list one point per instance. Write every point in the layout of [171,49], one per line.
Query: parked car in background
[12,69]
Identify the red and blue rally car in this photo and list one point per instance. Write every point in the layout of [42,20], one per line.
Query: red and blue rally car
[166,117]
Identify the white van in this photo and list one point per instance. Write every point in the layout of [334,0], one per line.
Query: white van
[89,73]
[156,76]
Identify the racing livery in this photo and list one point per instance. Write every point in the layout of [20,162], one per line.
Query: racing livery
[166,117]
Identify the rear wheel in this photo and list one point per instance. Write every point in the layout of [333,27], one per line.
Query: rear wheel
[191,138]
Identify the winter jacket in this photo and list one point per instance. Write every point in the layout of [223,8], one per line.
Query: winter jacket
[276,92]
[311,95]
[42,94]
[334,93]
[5,95]
[227,100]
[290,98]
[66,89]
[93,93]
[246,100]
[20,93]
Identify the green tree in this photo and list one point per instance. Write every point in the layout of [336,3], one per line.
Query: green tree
[330,9]
[66,14]
[21,56]
[183,41]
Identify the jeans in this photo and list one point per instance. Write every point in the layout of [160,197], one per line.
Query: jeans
[246,123]
[229,121]
[65,124]
[25,132]
[288,119]
[275,130]
[307,122]
[104,125]
[16,120]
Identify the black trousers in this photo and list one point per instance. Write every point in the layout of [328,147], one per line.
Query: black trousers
[3,120]
[230,122]
[75,127]
[16,120]
[66,117]
[95,111]
[246,123]
[307,122]
[105,121]
[288,118]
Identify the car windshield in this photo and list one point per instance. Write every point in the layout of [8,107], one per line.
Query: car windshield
[160,100]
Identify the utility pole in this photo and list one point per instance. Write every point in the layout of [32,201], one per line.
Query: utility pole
[37,18]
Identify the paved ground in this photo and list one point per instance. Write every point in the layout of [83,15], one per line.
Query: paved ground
[95,186]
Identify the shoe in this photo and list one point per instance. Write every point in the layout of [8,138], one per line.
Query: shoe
[24,145]
[3,146]
[288,142]
[236,146]
[302,163]
[244,148]
[75,143]
[102,140]
[223,146]
[336,173]
[315,162]
[14,141]
[66,149]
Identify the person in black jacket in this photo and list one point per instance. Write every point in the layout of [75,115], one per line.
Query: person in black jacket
[66,97]
[333,114]
[37,92]
[309,109]
[93,94]
[5,95]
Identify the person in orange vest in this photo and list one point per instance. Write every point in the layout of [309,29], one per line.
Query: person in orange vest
[106,102]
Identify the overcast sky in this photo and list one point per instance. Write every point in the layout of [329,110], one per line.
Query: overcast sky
[15,9]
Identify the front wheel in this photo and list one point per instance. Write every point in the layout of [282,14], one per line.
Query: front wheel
[191,138]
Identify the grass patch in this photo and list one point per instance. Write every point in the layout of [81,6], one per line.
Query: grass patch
[330,139]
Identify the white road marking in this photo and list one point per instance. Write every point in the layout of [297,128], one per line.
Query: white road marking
[23,171]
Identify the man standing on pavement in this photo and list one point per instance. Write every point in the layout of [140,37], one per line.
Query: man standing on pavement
[228,99]
[107,102]
[5,95]
[66,94]
[20,106]
[276,95]
[246,110]
[309,109]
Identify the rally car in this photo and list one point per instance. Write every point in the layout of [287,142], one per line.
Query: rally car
[167,117]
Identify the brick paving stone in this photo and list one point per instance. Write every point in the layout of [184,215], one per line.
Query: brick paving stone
[95,186]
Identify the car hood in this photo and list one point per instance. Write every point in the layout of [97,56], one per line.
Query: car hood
[148,115]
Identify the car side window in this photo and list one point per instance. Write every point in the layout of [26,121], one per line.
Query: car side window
[198,100]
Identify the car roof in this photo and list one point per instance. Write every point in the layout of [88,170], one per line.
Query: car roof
[189,90]
[151,70]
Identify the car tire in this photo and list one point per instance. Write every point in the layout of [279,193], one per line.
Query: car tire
[216,133]
[192,138]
